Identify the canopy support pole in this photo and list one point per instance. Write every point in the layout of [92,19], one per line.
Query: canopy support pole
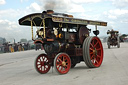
[97,32]
[44,27]
[32,29]
[96,27]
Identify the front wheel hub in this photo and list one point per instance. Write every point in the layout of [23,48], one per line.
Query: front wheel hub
[42,63]
[63,63]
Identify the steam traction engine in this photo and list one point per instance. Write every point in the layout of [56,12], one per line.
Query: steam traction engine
[113,39]
[65,40]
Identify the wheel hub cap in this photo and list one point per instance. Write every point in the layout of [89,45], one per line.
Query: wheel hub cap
[95,51]
[42,63]
[63,63]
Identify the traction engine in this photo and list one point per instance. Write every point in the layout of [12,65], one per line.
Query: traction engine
[66,41]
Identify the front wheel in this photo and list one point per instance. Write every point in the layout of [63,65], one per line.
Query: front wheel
[42,64]
[92,52]
[62,63]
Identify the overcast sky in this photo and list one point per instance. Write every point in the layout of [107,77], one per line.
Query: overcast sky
[115,12]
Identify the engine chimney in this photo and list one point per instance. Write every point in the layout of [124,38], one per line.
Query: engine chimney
[50,11]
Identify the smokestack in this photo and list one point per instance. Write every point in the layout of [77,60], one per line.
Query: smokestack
[50,11]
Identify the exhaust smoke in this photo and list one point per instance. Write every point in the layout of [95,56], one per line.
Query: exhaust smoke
[49,5]
[56,5]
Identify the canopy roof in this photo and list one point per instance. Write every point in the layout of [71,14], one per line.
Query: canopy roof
[54,18]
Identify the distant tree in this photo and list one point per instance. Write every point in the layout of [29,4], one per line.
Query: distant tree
[23,40]
[124,35]
[30,40]
[2,40]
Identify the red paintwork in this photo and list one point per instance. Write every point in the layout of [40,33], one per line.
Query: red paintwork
[63,58]
[42,63]
[38,41]
[96,59]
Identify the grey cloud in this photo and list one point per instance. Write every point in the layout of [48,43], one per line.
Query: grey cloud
[2,2]
[120,3]
[11,30]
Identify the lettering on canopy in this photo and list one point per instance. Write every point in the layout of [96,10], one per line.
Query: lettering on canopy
[77,21]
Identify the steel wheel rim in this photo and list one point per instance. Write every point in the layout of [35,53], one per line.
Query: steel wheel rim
[42,64]
[96,52]
[61,67]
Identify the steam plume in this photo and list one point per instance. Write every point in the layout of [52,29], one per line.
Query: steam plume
[49,5]
[56,5]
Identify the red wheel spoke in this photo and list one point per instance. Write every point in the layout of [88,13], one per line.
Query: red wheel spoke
[92,56]
[61,68]
[96,60]
[98,49]
[44,67]
[98,56]
[91,49]
[92,45]
[95,44]
[63,58]
[41,58]
[59,59]
[39,66]
[38,60]
[59,63]
[58,66]
[66,62]
[92,60]
[91,53]
[66,67]
[39,63]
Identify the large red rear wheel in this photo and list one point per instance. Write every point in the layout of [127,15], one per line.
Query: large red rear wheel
[42,64]
[62,63]
[92,52]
